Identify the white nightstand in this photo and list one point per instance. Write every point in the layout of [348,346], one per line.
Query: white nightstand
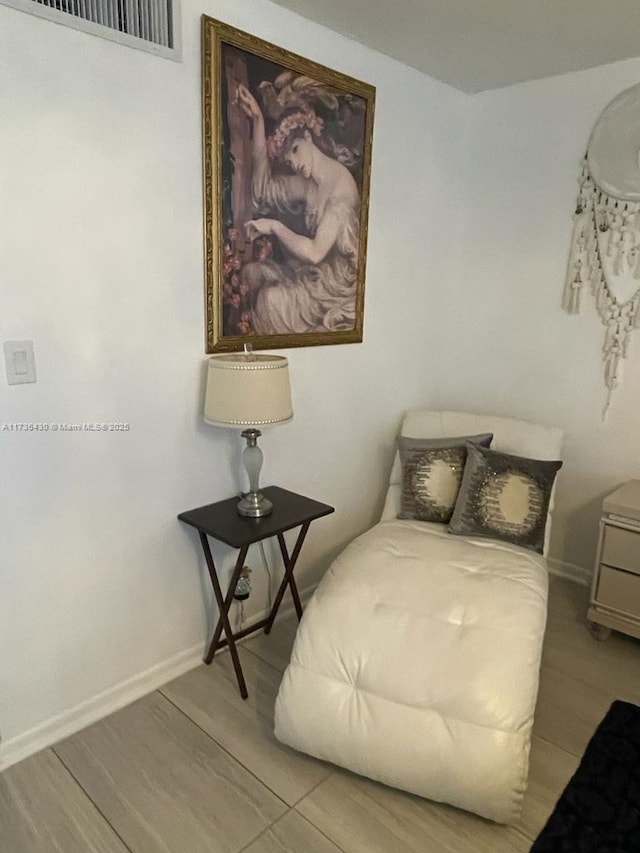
[615,593]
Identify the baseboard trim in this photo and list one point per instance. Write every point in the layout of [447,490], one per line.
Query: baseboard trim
[570,571]
[63,725]
[69,722]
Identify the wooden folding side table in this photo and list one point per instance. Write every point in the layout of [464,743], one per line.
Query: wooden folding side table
[221,521]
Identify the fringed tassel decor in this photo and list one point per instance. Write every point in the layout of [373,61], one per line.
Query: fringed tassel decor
[605,227]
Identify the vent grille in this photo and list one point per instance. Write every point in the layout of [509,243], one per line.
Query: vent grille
[150,20]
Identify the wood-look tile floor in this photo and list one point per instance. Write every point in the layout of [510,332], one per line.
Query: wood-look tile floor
[192,768]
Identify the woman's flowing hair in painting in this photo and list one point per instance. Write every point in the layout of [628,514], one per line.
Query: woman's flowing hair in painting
[289,285]
[339,115]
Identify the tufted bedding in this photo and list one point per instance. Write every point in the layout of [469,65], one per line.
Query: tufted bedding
[417,662]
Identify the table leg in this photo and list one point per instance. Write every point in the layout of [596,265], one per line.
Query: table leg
[223,607]
[288,579]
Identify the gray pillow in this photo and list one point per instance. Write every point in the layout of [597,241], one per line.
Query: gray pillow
[504,497]
[431,475]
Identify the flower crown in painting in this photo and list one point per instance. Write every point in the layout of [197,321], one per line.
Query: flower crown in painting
[306,119]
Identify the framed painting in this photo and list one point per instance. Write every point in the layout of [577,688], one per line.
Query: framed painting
[287,164]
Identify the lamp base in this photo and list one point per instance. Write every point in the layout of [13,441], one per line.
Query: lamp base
[254,505]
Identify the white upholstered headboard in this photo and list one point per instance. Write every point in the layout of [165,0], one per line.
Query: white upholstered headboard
[511,436]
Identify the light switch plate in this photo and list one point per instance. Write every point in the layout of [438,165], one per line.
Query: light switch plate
[20,362]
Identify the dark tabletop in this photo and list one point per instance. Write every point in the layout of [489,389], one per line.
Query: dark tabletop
[222,520]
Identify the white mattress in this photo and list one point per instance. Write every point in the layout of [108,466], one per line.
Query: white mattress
[416,664]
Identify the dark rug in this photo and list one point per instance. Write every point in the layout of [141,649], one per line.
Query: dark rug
[599,810]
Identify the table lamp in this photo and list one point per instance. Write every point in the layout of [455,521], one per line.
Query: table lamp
[245,391]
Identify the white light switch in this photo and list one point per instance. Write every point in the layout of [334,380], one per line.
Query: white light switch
[20,362]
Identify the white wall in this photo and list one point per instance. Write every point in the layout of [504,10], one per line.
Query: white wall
[508,348]
[101,588]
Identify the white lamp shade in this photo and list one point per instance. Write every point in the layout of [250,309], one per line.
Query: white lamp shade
[247,390]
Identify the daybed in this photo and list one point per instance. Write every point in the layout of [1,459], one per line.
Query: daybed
[417,660]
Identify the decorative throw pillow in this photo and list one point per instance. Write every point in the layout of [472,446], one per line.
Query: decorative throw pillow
[431,475]
[504,497]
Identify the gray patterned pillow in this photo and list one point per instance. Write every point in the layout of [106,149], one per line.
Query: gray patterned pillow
[504,497]
[431,475]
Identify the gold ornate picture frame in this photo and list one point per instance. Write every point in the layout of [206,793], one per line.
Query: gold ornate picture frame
[287,165]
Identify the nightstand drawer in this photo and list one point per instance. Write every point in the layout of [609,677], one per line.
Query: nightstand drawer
[620,590]
[621,548]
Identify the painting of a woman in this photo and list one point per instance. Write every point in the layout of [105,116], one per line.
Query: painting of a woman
[294,181]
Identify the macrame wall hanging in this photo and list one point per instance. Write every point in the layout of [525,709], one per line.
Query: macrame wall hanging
[605,248]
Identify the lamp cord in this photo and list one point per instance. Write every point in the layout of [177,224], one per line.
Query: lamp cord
[268,571]
[240,603]
[239,615]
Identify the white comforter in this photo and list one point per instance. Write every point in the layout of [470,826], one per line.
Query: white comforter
[416,664]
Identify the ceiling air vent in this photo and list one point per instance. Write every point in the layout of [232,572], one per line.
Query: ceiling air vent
[150,25]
